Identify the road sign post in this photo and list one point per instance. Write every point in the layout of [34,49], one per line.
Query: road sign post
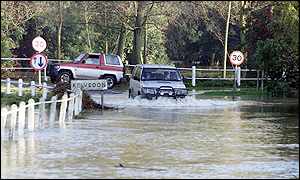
[39,62]
[236,59]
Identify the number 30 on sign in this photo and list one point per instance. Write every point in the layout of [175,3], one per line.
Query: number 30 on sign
[236,58]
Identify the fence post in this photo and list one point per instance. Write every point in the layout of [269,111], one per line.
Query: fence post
[71,107]
[52,111]
[7,85]
[80,101]
[63,109]
[13,120]
[102,100]
[20,87]
[3,118]
[76,103]
[21,117]
[257,79]
[31,115]
[262,80]
[193,76]
[45,90]
[42,113]
[32,87]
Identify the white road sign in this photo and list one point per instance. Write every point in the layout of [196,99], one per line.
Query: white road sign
[99,84]
[39,61]
[236,58]
[39,44]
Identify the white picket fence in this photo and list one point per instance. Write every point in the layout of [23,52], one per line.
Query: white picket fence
[17,119]
[21,84]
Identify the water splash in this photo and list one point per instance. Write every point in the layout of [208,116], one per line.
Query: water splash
[122,101]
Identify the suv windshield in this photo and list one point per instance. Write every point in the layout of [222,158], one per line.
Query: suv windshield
[76,60]
[162,74]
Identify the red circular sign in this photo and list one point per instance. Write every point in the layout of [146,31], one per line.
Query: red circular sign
[236,58]
[38,61]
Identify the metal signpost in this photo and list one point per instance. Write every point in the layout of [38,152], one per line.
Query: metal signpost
[39,62]
[236,59]
[39,44]
[100,84]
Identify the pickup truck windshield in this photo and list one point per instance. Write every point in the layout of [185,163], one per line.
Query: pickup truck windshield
[161,74]
[77,59]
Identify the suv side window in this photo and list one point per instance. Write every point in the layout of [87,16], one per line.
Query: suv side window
[112,60]
[137,73]
[92,59]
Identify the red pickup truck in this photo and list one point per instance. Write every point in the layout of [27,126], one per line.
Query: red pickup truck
[90,66]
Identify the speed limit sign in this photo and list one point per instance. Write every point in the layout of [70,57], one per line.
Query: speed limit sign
[39,44]
[236,58]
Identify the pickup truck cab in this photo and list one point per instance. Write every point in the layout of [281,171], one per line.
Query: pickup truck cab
[152,80]
[90,66]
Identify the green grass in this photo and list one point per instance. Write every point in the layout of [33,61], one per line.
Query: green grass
[217,84]
[243,92]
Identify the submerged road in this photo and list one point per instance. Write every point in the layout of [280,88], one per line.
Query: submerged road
[240,140]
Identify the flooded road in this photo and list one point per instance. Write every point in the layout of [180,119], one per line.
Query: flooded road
[240,140]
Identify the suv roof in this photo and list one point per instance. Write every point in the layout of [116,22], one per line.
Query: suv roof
[157,66]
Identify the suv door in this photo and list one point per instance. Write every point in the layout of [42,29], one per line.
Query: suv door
[88,68]
[135,85]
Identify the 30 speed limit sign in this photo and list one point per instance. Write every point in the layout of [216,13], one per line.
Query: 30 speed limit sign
[236,58]
[39,44]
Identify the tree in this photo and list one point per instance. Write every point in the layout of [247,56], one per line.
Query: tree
[278,55]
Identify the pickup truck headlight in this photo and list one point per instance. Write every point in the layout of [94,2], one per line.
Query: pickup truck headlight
[181,91]
[148,90]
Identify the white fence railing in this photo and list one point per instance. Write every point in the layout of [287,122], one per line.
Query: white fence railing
[194,71]
[20,87]
[18,119]
[259,74]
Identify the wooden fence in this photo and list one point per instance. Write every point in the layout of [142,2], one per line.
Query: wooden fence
[26,117]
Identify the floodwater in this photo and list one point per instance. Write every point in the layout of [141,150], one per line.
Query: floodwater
[163,139]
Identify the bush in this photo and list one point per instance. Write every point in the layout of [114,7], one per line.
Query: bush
[277,89]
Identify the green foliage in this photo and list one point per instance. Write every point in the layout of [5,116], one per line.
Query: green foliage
[8,73]
[9,99]
[278,56]
[277,89]
[156,49]
[267,55]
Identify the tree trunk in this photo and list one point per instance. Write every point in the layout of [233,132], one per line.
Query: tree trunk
[60,9]
[87,28]
[121,42]
[243,16]
[105,24]
[138,34]
[145,45]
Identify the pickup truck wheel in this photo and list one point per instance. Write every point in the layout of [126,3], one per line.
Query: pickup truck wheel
[110,81]
[65,76]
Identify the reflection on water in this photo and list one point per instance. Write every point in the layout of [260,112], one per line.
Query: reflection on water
[245,141]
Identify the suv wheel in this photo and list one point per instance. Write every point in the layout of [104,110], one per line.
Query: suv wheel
[64,76]
[111,81]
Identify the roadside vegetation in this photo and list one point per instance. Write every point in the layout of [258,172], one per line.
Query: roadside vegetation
[13,98]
